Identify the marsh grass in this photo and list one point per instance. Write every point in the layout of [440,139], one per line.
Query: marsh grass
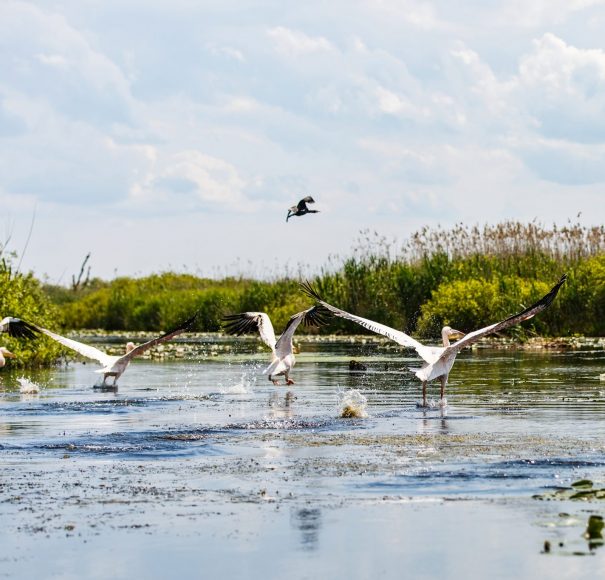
[465,276]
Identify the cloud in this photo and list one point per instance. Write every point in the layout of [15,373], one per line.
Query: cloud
[50,60]
[564,90]
[294,42]
[190,180]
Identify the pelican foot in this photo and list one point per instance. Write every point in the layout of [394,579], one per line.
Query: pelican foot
[443,403]
[289,382]
[426,405]
[105,388]
[275,382]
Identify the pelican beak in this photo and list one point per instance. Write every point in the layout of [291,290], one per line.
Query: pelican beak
[456,334]
[9,354]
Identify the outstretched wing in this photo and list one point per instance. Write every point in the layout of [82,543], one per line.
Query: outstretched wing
[246,322]
[396,335]
[81,348]
[526,314]
[317,316]
[18,328]
[302,204]
[160,339]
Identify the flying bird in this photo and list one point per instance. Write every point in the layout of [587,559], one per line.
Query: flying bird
[438,361]
[18,328]
[301,208]
[114,366]
[4,354]
[282,352]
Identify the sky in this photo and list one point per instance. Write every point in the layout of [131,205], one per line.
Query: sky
[174,135]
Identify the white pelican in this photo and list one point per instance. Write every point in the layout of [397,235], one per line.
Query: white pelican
[114,366]
[438,361]
[301,208]
[4,354]
[283,356]
[17,328]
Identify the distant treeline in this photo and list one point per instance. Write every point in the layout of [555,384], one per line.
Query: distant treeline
[465,276]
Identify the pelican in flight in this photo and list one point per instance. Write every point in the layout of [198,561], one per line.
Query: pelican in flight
[301,208]
[18,328]
[114,366]
[438,361]
[281,350]
[4,354]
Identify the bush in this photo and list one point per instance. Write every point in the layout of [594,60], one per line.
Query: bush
[21,296]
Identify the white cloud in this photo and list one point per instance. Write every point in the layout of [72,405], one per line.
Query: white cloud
[294,42]
[190,180]
[563,88]
[536,13]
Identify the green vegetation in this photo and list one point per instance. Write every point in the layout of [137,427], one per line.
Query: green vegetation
[465,277]
[22,296]
[469,277]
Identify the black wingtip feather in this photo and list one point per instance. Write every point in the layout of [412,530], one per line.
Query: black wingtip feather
[239,324]
[20,329]
[310,291]
[546,300]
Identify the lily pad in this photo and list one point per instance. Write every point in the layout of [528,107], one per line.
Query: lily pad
[582,484]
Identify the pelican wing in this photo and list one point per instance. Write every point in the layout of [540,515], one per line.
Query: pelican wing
[302,204]
[395,335]
[526,314]
[246,322]
[81,348]
[316,316]
[160,339]
[18,328]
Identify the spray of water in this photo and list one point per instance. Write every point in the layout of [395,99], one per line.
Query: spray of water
[27,387]
[242,387]
[352,404]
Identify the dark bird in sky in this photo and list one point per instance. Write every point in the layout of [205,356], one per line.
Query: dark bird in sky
[301,208]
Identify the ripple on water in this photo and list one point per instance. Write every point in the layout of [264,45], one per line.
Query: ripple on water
[148,445]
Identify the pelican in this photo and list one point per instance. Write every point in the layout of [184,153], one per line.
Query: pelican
[438,361]
[114,366]
[4,354]
[282,353]
[301,208]
[17,328]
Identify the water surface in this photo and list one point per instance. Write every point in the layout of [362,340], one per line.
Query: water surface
[203,463]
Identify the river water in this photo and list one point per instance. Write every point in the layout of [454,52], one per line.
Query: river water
[201,468]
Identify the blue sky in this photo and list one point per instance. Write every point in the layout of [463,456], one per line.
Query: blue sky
[175,134]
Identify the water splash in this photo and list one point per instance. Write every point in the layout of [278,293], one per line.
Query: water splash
[352,404]
[27,387]
[432,404]
[243,387]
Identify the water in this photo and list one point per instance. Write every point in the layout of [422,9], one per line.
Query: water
[205,465]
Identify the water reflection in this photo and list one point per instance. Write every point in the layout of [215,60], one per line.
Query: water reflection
[308,522]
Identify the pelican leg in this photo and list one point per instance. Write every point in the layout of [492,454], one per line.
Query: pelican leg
[443,383]
[274,381]
[115,380]
[424,403]
[289,381]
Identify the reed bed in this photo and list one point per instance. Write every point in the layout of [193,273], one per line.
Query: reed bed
[466,276]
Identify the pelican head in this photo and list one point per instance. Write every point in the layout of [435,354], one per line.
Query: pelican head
[129,347]
[6,353]
[448,332]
